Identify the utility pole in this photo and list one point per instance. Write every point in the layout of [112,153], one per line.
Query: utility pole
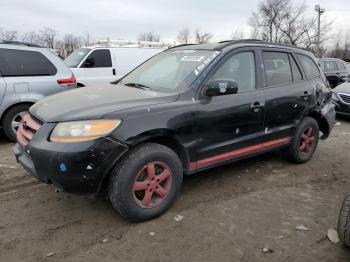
[320,11]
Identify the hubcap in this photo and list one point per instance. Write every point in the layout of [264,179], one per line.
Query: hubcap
[16,120]
[307,140]
[152,184]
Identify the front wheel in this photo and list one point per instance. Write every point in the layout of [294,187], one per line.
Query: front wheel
[146,182]
[304,142]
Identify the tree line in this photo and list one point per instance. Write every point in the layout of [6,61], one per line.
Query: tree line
[275,21]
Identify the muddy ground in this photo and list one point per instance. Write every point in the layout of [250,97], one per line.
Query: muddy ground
[229,214]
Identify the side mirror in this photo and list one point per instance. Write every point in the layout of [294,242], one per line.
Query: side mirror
[221,87]
[89,62]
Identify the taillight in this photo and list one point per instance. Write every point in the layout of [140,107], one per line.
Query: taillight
[68,82]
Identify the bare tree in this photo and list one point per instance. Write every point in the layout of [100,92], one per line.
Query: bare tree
[31,37]
[184,36]
[149,37]
[280,21]
[48,37]
[8,35]
[87,39]
[202,37]
[267,18]
[237,34]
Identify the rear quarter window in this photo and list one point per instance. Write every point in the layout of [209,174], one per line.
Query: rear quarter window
[310,68]
[16,63]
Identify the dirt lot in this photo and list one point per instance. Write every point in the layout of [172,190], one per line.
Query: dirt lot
[229,214]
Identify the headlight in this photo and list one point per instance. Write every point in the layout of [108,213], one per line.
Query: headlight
[81,131]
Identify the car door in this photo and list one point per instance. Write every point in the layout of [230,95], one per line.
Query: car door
[287,93]
[97,68]
[229,124]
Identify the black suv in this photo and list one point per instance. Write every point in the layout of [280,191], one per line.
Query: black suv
[185,110]
[335,71]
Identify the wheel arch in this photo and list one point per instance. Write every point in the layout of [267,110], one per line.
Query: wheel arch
[322,123]
[165,139]
[12,106]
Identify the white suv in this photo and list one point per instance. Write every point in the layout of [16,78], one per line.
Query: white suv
[28,73]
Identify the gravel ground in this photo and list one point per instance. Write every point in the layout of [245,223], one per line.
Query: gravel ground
[226,214]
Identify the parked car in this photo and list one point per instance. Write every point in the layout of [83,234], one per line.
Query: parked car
[335,71]
[187,109]
[341,99]
[28,73]
[102,65]
[348,68]
[344,222]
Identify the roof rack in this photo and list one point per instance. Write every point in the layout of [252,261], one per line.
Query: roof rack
[176,46]
[231,42]
[19,43]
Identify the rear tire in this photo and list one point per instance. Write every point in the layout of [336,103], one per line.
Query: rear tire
[304,142]
[13,115]
[146,182]
[344,222]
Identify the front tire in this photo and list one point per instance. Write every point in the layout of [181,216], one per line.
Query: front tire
[146,182]
[11,120]
[304,142]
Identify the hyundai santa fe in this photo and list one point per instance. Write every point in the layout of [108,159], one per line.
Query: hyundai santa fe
[187,109]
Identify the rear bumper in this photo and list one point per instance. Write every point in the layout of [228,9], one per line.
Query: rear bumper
[74,168]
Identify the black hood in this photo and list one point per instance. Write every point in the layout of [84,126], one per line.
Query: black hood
[95,101]
[343,88]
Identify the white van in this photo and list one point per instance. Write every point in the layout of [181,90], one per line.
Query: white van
[99,65]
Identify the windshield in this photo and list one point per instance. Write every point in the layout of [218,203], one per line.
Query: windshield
[74,59]
[171,70]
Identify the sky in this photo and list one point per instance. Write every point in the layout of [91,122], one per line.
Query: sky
[128,18]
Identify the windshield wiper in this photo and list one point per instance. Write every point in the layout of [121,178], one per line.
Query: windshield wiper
[137,85]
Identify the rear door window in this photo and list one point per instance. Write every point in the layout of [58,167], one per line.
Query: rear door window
[277,68]
[310,68]
[101,58]
[16,63]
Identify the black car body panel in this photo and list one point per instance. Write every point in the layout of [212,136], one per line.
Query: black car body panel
[204,131]
[94,102]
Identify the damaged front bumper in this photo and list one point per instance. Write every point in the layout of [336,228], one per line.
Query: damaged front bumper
[74,168]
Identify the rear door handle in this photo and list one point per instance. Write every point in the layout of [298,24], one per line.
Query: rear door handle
[256,106]
[113,71]
[306,94]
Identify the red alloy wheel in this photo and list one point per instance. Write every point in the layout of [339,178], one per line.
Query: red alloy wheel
[152,184]
[307,140]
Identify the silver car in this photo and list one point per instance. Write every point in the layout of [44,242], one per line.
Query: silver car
[28,73]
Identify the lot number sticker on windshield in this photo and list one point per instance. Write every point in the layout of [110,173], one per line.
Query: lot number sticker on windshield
[192,58]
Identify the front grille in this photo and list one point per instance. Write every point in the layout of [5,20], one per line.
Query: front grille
[345,98]
[27,129]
